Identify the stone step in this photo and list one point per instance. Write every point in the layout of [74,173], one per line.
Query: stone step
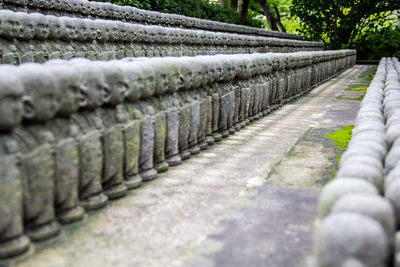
[222,207]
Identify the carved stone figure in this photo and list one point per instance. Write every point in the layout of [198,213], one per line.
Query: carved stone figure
[66,148]
[38,164]
[10,27]
[113,121]
[42,31]
[12,239]
[93,88]
[103,35]
[68,34]
[185,110]
[144,112]
[227,96]
[53,43]
[132,126]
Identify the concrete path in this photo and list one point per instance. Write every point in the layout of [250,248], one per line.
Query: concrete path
[248,201]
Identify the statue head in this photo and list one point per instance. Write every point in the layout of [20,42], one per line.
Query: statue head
[116,82]
[42,29]
[85,8]
[228,71]
[91,29]
[112,27]
[123,32]
[82,30]
[160,74]
[11,93]
[41,99]
[151,34]
[76,6]
[245,72]
[68,28]
[93,86]
[175,81]
[54,27]
[108,10]
[103,31]
[186,72]
[132,73]
[148,78]
[68,82]
[10,25]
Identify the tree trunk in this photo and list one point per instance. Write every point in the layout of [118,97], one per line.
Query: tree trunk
[234,4]
[222,3]
[278,19]
[268,14]
[243,8]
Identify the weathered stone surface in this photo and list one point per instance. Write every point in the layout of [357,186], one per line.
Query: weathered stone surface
[108,144]
[349,237]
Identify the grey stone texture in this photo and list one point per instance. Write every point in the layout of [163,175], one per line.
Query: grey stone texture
[34,37]
[82,132]
[108,11]
[373,157]
[218,203]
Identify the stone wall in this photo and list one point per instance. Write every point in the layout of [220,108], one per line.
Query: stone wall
[108,11]
[359,211]
[77,133]
[34,37]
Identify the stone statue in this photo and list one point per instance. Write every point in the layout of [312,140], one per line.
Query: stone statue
[113,121]
[41,103]
[10,28]
[132,127]
[66,148]
[93,89]
[192,98]
[68,35]
[144,112]
[185,116]
[102,37]
[53,43]
[244,83]
[170,104]
[12,238]
[42,31]
[110,46]
[227,96]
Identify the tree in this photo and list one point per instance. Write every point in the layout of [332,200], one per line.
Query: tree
[338,22]
[243,11]
[274,20]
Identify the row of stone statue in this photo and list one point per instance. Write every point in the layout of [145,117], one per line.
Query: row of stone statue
[27,26]
[77,133]
[87,9]
[359,211]
[34,37]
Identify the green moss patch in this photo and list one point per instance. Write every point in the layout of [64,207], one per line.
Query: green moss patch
[350,98]
[341,137]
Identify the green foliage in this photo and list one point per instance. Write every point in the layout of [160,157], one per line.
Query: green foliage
[340,22]
[383,43]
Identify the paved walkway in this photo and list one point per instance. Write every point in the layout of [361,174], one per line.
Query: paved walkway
[247,201]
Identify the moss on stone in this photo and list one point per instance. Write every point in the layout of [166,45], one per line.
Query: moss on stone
[341,137]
